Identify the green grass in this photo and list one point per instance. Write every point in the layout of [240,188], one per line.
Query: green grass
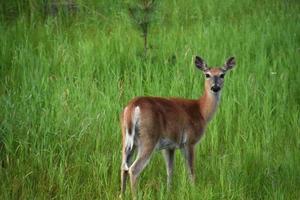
[64,81]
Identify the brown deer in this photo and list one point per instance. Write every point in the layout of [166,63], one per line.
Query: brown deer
[167,124]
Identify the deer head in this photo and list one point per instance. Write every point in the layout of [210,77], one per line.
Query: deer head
[214,76]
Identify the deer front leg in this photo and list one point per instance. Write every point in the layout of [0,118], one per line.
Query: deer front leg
[188,153]
[169,158]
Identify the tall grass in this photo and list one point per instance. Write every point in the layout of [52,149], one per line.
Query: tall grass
[63,83]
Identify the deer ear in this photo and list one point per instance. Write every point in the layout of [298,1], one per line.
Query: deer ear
[200,64]
[229,64]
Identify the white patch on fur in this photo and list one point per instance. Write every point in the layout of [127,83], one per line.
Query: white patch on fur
[125,166]
[135,121]
[128,142]
[129,139]
[136,115]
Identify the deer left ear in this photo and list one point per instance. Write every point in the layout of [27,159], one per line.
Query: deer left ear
[229,64]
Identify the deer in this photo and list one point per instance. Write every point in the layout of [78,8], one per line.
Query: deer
[157,123]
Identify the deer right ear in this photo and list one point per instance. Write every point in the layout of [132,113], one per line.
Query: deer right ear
[200,64]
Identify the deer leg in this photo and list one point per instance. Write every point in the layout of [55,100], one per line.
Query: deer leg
[169,158]
[188,152]
[144,153]
[124,175]
[124,168]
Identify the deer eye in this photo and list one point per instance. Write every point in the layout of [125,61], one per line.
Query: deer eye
[207,75]
[222,75]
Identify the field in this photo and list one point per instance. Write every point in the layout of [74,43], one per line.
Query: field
[64,80]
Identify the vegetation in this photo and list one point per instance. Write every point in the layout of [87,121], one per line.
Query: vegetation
[65,78]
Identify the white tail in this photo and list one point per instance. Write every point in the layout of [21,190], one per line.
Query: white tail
[130,133]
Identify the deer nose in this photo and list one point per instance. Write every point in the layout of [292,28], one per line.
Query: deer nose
[215,88]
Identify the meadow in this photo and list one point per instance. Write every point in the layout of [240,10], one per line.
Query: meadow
[64,80]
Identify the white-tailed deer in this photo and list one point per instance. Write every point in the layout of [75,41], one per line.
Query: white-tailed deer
[150,123]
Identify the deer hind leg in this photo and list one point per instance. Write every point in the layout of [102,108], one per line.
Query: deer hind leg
[169,158]
[188,153]
[143,156]
[126,160]
[124,175]
[129,132]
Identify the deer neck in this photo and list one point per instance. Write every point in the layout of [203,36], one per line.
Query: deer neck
[208,104]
